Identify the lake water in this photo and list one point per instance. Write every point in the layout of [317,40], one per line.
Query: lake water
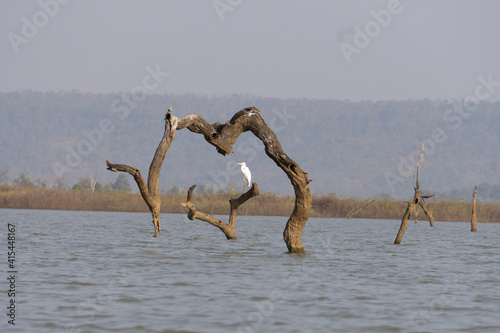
[102,272]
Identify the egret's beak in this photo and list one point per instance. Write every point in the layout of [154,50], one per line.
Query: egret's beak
[239,163]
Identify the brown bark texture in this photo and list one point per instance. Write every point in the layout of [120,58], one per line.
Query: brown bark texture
[229,229]
[418,201]
[412,205]
[223,137]
[150,192]
[473,220]
[427,212]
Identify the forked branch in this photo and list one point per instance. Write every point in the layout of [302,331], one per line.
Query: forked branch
[150,192]
[223,137]
[229,229]
[418,201]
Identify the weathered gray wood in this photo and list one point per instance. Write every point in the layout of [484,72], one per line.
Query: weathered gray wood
[150,192]
[473,220]
[417,201]
[406,216]
[427,212]
[229,229]
[223,137]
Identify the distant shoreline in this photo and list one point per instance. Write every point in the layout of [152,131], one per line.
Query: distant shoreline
[266,204]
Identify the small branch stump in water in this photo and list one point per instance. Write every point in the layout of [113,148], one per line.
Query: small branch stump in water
[229,229]
[473,220]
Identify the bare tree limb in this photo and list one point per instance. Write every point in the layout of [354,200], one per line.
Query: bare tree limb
[223,137]
[473,220]
[406,216]
[353,212]
[229,229]
[150,192]
[427,212]
[417,202]
[420,154]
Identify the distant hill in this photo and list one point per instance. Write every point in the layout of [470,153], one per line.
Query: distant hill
[486,193]
[349,148]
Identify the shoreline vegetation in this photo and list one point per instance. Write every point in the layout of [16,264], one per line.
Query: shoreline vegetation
[18,197]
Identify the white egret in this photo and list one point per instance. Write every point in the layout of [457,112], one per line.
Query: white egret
[246,173]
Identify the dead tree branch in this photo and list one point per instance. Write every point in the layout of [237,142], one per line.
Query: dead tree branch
[417,201]
[354,212]
[223,137]
[229,229]
[427,212]
[473,220]
[150,192]
[404,221]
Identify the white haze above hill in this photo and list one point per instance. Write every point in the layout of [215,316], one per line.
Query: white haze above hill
[356,50]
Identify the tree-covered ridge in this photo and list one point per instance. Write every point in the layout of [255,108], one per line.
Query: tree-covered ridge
[348,148]
[486,193]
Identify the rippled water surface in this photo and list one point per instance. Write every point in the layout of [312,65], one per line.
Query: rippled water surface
[102,272]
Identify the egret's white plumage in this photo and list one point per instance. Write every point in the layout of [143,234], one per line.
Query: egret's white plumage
[246,173]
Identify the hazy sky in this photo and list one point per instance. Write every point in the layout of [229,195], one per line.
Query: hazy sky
[424,49]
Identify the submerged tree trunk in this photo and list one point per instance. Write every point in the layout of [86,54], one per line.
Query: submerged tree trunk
[473,220]
[412,205]
[418,200]
[223,136]
[229,229]
[150,192]
[427,212]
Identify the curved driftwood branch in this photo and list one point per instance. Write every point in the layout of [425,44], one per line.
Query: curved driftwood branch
[223,137]
[143,188]
[150,192]
[229,229]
